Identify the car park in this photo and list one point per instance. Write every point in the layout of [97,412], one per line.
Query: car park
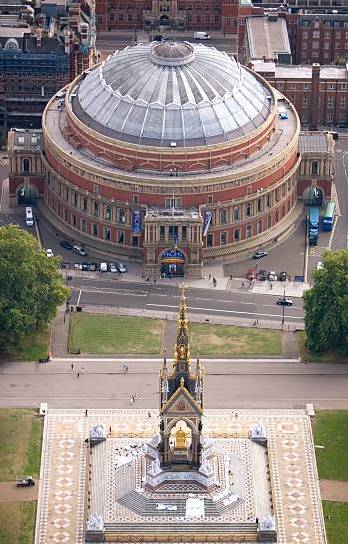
[282,276]
[260,254]
[262,275]
[121,267]
[79,251]
[66,245]
[283,301]
[49,253]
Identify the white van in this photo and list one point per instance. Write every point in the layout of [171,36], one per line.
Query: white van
[201,36]
[103,267]
[29,219]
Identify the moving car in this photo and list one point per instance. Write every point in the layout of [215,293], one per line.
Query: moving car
[284,301]
[66,245]
[260,254]
[49,253]
[201,36]
[121,267]
[282,276]
[79,251]
[29,218]
[25,481]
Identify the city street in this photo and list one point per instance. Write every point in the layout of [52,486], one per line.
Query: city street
[227,384]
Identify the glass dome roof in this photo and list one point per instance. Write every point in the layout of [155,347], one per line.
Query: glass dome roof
[172,93]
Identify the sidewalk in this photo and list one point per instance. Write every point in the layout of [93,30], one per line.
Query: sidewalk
[60,333]
[280,288]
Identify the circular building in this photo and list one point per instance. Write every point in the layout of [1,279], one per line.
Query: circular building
[171,153]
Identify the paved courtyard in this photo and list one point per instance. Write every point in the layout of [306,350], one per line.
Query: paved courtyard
[64,473]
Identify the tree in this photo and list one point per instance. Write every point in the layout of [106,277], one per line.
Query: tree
[31,287]
[326,304]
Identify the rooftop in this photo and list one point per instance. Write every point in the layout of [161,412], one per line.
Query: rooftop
[172,94]
[267,37]
[314,142]
[305,72]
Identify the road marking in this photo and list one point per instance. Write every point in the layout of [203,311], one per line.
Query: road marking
[78,300]
[253,314]
[112,291]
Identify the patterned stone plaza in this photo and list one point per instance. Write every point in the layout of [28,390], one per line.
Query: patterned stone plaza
[73,481]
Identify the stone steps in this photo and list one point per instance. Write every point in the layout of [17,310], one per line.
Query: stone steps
[182,527]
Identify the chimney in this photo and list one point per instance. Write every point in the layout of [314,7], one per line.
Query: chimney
[315,96]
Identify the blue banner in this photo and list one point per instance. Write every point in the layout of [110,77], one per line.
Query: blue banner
[207,220]
[136,221]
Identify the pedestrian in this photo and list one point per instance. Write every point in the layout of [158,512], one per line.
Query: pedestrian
[214,282]
[72,366]
[230,276]
[271,286]
[132,400]
[242,284]
[149,414]
[110,429]
[86,413]
[125,369]
[78,374]
[209,277]
[82,370]
[154,280]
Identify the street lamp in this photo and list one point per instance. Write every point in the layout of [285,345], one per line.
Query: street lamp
[283,307]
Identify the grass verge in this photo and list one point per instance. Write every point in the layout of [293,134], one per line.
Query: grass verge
[223,340]
[330,431]
[336,521]
[314,357]
[20,445]
[32,348]
[104,334]
[17,522]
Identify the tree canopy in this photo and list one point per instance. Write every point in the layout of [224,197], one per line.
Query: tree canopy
[31,287]
[326,304]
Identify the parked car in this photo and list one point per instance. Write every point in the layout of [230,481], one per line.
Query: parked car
[284,301]
[79,251]
[272,276]
[262,275]
[85,266]
[113,268]
[49,253]
[25,481]
[66,245]
[103,267]
[92,267]
[77,266]
[282,276]
[121,267]
[251,274]
[260,254]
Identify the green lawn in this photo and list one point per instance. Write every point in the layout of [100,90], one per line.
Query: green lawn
[17,522]
[337,525]
[314,357]
[92,333]
[32,348]
[330,430]
[20,444]
[223,340]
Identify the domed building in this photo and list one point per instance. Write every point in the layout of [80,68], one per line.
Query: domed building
[170,153]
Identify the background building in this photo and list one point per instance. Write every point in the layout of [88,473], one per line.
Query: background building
[170,153]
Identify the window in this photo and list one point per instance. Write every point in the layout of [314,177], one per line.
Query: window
[184,233]
[236,235]
[210,240]
[314,168]
[84,225]
[236,213]
[95,229]
[259,227]
[121,215]
[343,86]
[249,231]
[135,241]
[12,45]
[26,166]
[74,222]
[316,34]
[329,117]
[107,234]
[75,200]
[342,102]
[223,217]
[135,199]
[223,238]
[269,221]
[330,102]
[248,209]
[327,35]
[315,45]
[108,213]
[121,237]
[84,204]
[96,209]
[305,101]
[259,205]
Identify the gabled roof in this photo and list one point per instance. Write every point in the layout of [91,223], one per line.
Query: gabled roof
[185,394]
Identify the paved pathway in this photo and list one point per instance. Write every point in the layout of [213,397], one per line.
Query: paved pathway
[334,490]
[9,492]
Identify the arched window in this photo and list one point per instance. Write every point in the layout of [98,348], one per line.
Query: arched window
[223,216]
[248,209]
[96,209]
[108,213]
[314,168]
[12,45]
[26,166]
[121,215]
[259,205]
